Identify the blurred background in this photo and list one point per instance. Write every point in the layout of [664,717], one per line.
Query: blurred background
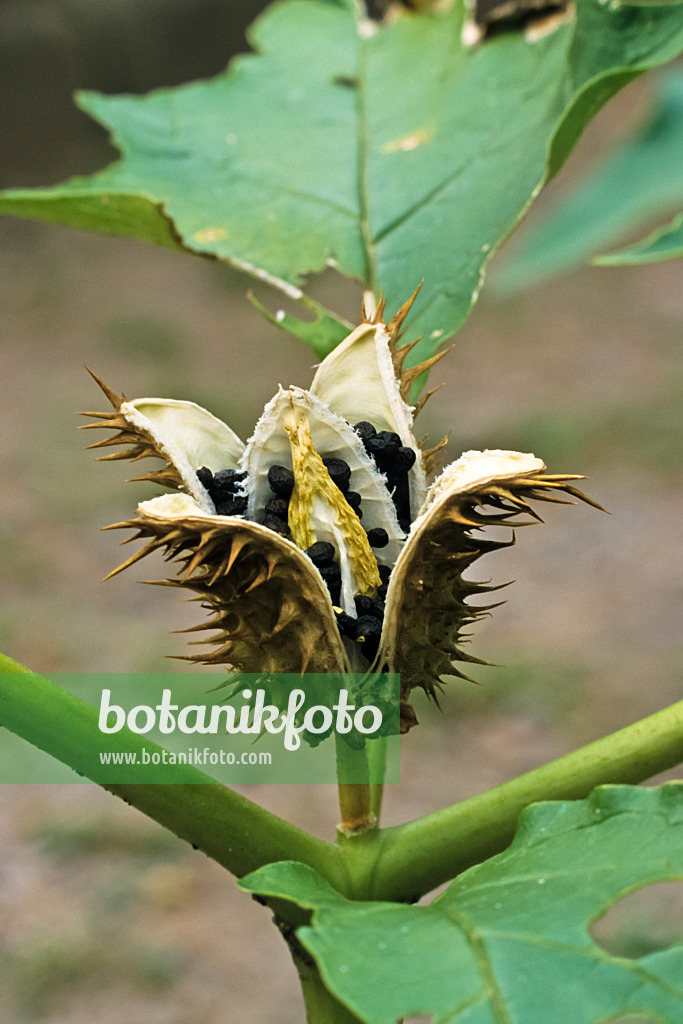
[104,915]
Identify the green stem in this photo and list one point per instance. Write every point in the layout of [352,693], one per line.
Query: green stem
[412,859]
[321,1006]
[229,828]
[354,789]
[377,763]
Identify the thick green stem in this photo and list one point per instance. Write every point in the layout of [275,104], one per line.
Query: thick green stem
[228,827]
[354,789]
[416,857]
[321,1006]
[377,763]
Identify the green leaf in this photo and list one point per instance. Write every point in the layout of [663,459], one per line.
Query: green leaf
[644,177]
[508,942]
[323,333]
[394,153]
[666,243]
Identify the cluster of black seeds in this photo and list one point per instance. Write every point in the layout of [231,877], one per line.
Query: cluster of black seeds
[275,512]
[395,460]
[322,554]
[366,626]
[224,488]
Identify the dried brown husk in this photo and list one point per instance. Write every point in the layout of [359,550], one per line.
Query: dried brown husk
[184,435]
[270,607]
[427,606]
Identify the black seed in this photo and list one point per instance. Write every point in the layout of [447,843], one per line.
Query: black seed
[368,627]
[272,522]
[384,572]
[390,438]
[370,648]
[225,481]
[354,499]
[321,553]
[363,604]
[382,591]
[332,577]
[278,507]
[339,471]
[281,480]
[384,448]
[400,495]
[376,447]
[232,507]
[404,459]
[205,477]
[331,573]
[378,537]
[368,632]
[364,430]
[346,624]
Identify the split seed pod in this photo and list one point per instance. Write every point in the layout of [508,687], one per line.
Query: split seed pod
[323,544]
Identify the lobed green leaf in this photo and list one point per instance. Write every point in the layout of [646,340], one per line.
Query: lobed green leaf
[640,179]
[665,243]
[508,942]
[393,153]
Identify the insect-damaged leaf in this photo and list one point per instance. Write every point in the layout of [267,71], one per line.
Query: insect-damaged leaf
[396,153]
[508,942]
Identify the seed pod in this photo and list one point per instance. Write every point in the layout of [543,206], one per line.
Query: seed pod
[378,397]
[426,609]
[183,434]
[297,430]
[270,608]
[319,598]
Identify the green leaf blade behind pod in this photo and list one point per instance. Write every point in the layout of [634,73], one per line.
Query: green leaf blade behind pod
[509,942]
[666,243]
[394,153]
[642,178]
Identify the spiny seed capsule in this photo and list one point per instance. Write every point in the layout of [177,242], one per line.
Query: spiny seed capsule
[378,537]
[339,471]
[321,553]
[281,480]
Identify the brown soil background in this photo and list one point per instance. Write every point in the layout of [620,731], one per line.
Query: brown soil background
[106,917]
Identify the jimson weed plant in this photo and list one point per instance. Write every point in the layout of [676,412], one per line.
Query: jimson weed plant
[332,543]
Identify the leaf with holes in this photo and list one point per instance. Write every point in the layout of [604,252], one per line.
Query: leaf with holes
[509,942]
[395,153]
